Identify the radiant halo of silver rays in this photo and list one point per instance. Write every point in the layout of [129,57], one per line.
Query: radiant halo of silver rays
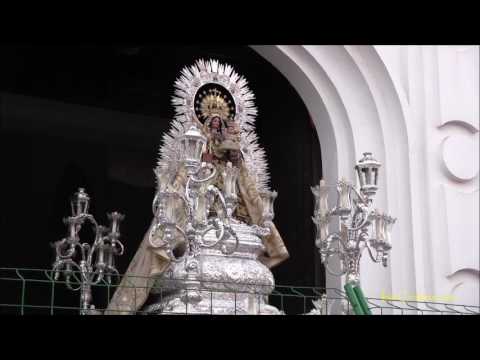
[186,86]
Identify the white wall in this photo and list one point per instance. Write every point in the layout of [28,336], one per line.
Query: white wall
[442,88]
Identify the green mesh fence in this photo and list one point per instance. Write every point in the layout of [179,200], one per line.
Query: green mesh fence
[36,292]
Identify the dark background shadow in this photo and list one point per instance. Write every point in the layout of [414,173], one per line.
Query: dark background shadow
[92,115]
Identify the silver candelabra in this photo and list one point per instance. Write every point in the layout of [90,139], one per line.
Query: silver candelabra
[182,217]
[93,263]
[360,224]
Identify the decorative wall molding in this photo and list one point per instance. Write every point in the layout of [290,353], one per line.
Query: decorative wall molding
[458,84]
[460,157]
[462,229]
[464,287]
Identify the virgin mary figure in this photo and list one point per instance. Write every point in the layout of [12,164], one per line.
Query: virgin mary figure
[215,118]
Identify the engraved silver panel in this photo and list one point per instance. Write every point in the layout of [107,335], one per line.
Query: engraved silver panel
[228,284]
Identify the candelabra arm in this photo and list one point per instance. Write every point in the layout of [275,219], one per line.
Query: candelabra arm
[162,226]
[217,225]
[330,271]
[329,252]
[188,207]
[68,272]
[223,228]
[180,230]
[166,246]
[118,243]
[58,251]
[224,224]
[90,250]
[370,252]
[208,178]
[359,195]
[213,189]
[335,237]
[237,242]
[366,213]
[85,252]
[192,178]
[100,274]
[91,219]
[156,225]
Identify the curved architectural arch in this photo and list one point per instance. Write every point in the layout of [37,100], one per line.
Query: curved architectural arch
[356,107]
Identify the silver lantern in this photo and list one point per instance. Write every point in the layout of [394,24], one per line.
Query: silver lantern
[368,170]
[80,203]
[191,147]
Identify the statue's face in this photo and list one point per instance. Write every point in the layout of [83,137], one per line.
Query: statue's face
[215,124]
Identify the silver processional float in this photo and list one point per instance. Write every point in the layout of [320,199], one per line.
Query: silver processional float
[212,232]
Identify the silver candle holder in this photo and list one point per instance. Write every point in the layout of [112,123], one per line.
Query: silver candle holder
[360,224]
[93,262]
[193,206]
